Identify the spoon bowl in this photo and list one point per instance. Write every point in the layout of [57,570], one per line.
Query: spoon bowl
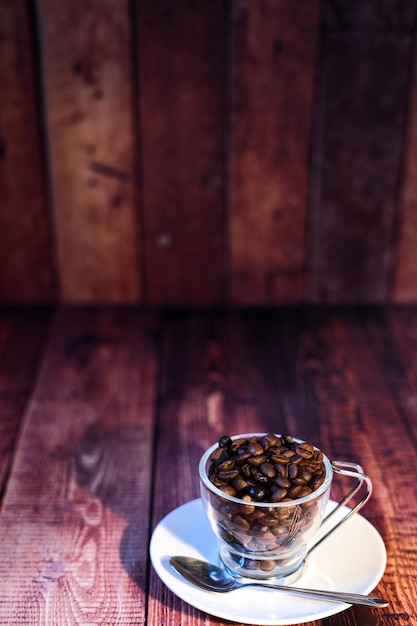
[216,579]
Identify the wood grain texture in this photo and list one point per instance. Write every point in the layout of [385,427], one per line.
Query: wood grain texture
[273,68]
[363,91]
[404,275]
[181,56]
[125,403]
[74,520]
[181,433]
[22,340]
[26,250]
[204,153]
[88,81]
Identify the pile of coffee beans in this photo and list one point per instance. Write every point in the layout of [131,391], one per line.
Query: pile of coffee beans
[268,468]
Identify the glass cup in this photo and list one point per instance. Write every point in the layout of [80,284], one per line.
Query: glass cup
[268,540]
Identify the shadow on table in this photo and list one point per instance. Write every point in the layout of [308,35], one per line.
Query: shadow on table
[109,473]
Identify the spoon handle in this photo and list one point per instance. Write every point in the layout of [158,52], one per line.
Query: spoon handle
[333,596]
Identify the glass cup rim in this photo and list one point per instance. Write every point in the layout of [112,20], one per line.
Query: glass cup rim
[202,469]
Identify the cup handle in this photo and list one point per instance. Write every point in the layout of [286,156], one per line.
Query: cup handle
[363,482]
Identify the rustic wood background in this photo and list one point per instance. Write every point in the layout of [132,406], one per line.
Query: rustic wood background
[208,152]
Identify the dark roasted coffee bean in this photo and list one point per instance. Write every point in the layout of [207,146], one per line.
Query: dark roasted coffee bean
[237,443]
[228,464]
[292,471]
[287,441]
[294,492]
[281,482]
[256,461]
[260,478]
[270,440]
[316,482]
[239,484]
[255,448]
[219,455]
[241,522]
[280,458]
[228,490]
[305,474]
[225,442]
[268,470]
[281,470]
[246,470]
[299,481]
[305,449]
[228,475]
[257,493]
[242,457]
[278,495]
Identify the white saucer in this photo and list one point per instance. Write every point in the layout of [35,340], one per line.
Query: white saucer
[352,559]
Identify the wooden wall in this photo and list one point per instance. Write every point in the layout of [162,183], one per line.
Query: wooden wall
[208,152]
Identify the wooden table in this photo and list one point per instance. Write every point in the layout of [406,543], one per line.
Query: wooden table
[104,414]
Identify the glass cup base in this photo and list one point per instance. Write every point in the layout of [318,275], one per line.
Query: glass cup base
[284,570]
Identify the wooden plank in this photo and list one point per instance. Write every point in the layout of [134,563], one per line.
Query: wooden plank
[358,145]
[21,344]
[74,523]
[361,419]
[88,85]
[182,64]
[390,426]
[274,55]
[404,275]
[373,15]
[182,433]
[394,341]
[26,259]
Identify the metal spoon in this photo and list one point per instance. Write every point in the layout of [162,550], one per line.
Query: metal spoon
[212,578]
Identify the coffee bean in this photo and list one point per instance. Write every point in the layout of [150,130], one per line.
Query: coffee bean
[292,471]
[239,484]
[268,470]
[225,442]
[306,450]
[219,455]
[241,522]
[295,491]
[280,459]
[286,440]
[255,448]
[269,440]
[256,461]
[228,475]
[258,494]
[278,495]
[305,474]
[282,470]
[246,470]
[282,483]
